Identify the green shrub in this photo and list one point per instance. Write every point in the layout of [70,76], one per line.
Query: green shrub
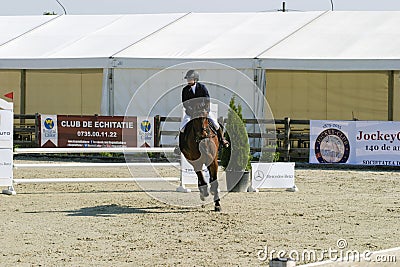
[237,156]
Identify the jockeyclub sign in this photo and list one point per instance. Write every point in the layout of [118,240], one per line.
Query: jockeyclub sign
[355,142]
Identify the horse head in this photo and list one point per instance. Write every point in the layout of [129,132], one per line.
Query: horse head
[200,125]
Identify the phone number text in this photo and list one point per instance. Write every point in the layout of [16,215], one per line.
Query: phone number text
[96,134]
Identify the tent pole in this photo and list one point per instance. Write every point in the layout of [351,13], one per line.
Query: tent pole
[22,108]
[390,94]
[111,92]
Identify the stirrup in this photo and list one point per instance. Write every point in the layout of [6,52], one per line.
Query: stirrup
[224,143]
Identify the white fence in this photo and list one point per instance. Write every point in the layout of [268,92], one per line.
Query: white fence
[11,190]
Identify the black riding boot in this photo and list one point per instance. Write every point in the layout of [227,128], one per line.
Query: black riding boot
[177,150]
[222,141]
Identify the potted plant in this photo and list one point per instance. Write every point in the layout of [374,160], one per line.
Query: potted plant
[235,159]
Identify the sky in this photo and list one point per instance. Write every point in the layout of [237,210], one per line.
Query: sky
[77,7]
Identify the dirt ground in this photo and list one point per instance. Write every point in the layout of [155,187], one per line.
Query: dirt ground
[116,224]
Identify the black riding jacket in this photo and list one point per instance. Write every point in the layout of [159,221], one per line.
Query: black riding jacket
[191,101]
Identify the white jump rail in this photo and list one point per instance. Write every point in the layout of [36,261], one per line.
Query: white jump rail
[11,190]
[94,180]
[93,165]
[58,150]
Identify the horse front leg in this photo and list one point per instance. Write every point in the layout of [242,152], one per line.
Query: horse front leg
[203,187]
[213,169]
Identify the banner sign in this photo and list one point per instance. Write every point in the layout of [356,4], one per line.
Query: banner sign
[6,143]
[145,132]
[6,129]
[48,131]
[272,175]
[6,167]
[355,142]
[95,131]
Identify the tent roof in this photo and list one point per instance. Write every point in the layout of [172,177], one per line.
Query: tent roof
[231,38]
[341,40]
[14,26]
[338,40]
[226,35]
[76,41]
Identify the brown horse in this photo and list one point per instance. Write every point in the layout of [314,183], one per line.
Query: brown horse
[199,144]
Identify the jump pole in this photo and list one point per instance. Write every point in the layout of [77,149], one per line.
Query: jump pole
[94,180]
[60,150]
[11,190]
[92,165]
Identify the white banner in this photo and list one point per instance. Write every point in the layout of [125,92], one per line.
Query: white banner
[49,131]
[188,174]
[145,131]
[6,143]
[6,167]
[355,142]
[272,175]
[6,129]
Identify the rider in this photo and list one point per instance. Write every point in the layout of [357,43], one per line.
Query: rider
[197,91]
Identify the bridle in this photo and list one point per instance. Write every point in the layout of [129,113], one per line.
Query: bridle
[206,131]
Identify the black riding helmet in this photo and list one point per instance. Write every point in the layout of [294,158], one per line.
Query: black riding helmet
[192,74]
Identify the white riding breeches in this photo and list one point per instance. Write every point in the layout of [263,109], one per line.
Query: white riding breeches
[187,118]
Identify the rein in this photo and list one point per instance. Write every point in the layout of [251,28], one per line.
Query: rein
[209,134]
[207,129]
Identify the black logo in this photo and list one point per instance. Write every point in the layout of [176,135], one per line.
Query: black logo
[332,146]
[258,175]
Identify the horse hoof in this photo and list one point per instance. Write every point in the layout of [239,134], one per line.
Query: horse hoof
[203,197]
[204,193]
[217,208]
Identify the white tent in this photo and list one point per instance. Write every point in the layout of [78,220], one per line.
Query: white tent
[131,48]
[231,39]
[344,40]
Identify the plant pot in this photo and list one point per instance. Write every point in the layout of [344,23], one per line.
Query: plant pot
[237,181]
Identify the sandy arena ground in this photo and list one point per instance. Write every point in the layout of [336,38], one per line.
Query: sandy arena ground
[119,225]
